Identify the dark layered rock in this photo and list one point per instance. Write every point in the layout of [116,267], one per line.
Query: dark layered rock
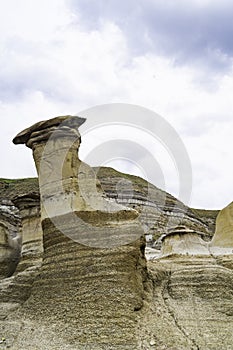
[159,211]
[10,242]
[208,217]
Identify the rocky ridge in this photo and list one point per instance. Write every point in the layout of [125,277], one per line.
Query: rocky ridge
[158,212]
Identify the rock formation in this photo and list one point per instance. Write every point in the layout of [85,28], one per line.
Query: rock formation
[32,236]
[158,210]
[89,286]
[222,242]
[184,241]
[191,302]
[10,244]
[25,241]
[157,213]
[92,295]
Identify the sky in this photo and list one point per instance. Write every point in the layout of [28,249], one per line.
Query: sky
[172,57]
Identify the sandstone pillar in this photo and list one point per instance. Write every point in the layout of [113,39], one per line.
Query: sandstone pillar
[91,284]
[32,235]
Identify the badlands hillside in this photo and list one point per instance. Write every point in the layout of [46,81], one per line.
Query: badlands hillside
[91,258]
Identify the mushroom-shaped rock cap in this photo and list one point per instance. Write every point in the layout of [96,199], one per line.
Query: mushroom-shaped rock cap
[181,230]
[67,120]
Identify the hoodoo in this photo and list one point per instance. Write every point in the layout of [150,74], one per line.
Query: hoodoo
[83,282]
[91,283]
[183,241]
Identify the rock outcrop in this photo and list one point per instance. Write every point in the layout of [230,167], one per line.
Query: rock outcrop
[191,301]
[10,243]
[88,286]
[190,305]
[159,211]
[92,295]
[32,235]
[183,241]
[222,242]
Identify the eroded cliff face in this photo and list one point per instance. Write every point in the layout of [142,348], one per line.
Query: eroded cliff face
[157,212]
[190,306]
[88,286]
[10,241]
[192,294]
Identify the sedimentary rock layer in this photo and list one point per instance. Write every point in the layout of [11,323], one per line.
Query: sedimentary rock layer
[85,296]
[190,305]
[222,242]
[10,242]
[156,215]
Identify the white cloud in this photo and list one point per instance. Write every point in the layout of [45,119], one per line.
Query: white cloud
[51,65]
[36,21]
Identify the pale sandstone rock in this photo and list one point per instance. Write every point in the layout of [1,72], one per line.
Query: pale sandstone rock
[32,235]
[91,295]
[184,241]
[190,305]
[222,242]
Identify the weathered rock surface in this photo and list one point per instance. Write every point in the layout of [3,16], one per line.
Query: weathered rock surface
[28,246]
[222,241]
[157,213]
[190,305]
[85,296]
[208,217]
[10,243]
[158,210]
[183,241]
[98,291]
[32,235]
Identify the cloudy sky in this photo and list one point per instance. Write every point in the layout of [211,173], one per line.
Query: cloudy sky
[173,57]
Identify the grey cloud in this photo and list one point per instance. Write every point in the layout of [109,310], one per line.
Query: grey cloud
[181,29]
[13,88]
